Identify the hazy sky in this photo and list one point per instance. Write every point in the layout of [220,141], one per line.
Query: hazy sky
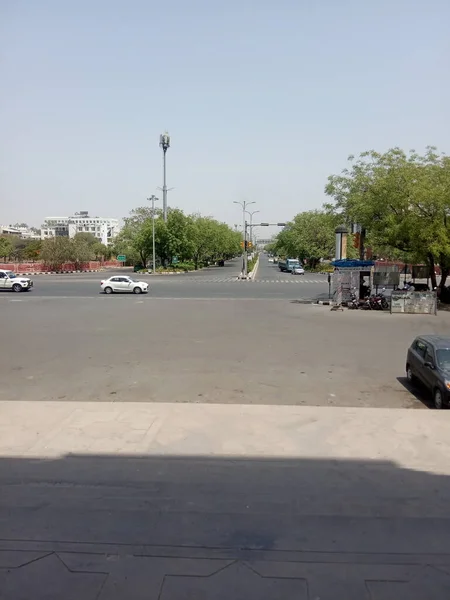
[263,99]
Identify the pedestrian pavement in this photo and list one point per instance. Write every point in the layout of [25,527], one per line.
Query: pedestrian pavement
[108,501]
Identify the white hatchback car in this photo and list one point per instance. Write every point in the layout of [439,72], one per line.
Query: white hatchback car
[123,284]
[298,270]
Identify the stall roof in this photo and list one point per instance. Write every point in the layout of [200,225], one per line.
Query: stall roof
[357,264]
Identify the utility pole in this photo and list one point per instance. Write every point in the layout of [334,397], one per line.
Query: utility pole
[153,199]
[244,205]
[164,142]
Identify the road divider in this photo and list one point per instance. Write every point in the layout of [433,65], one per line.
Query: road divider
[57,272]
[253,272]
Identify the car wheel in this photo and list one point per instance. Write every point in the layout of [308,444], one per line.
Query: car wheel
[17,287]
[410,375]
[137,290]
[438,401]
[108,290]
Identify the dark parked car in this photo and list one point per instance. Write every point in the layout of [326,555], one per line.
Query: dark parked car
[428,362]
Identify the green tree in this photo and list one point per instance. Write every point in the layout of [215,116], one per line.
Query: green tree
[100,251]
[80,252]
[6,247]
[19,246]
[188,237]
[32,251]
[135,239]
[403,199]
[309,237]
[202,234]
[87,237]
[56,252]
[173,239]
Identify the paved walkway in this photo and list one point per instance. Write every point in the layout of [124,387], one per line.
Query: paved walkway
[183,502]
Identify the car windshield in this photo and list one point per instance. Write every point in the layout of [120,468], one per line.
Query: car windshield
[443,358]
[11,275]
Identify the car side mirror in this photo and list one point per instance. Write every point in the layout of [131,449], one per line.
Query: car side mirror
[429,365]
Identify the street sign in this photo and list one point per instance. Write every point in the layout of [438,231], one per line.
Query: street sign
[121,258]
[386,278]
[174,260]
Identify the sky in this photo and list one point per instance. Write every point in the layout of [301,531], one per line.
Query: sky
[263,100]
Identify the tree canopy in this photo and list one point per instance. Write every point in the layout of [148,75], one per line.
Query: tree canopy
[403,199]
[309,237]
[187,237]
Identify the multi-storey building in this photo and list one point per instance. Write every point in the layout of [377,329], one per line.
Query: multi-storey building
[103,228]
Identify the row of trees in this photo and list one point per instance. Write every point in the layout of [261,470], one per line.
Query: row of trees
[401,199]
[309,237]
[83,248]
[80,249]
[189,238]
[18,249]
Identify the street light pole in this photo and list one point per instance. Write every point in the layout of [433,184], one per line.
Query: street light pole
[244,205]
[153,199]
[164,142]
[251,222]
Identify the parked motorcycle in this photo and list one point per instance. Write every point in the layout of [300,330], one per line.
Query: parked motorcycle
[379,301]
[353,303]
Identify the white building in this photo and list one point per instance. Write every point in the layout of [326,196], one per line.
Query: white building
[101,227]
[6,230]
[20,231]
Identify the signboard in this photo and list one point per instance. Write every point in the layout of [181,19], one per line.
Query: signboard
[420,272]
[419,303]
[174,260]
[386,278]
[121,258]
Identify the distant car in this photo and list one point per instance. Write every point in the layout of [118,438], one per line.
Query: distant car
[270,259]
[10,281]
[428,362]
[122,284]
[297,270]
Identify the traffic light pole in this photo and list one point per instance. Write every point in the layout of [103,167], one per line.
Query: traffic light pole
[245,263]
[244,205]
[262,225]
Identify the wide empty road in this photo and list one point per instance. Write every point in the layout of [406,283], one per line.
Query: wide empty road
[204,350]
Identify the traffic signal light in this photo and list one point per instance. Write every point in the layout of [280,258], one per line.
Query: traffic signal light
[356,240]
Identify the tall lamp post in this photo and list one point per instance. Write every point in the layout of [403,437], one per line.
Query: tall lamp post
[244,205]
[164,142]
[153,199]
[251,222]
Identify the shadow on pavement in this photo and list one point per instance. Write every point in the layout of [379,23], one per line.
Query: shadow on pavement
[171,528]
[420,392]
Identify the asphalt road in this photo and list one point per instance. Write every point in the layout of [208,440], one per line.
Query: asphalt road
[205,350]
[213,282]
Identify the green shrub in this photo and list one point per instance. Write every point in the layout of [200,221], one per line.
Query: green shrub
[251,263]
[184,266]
